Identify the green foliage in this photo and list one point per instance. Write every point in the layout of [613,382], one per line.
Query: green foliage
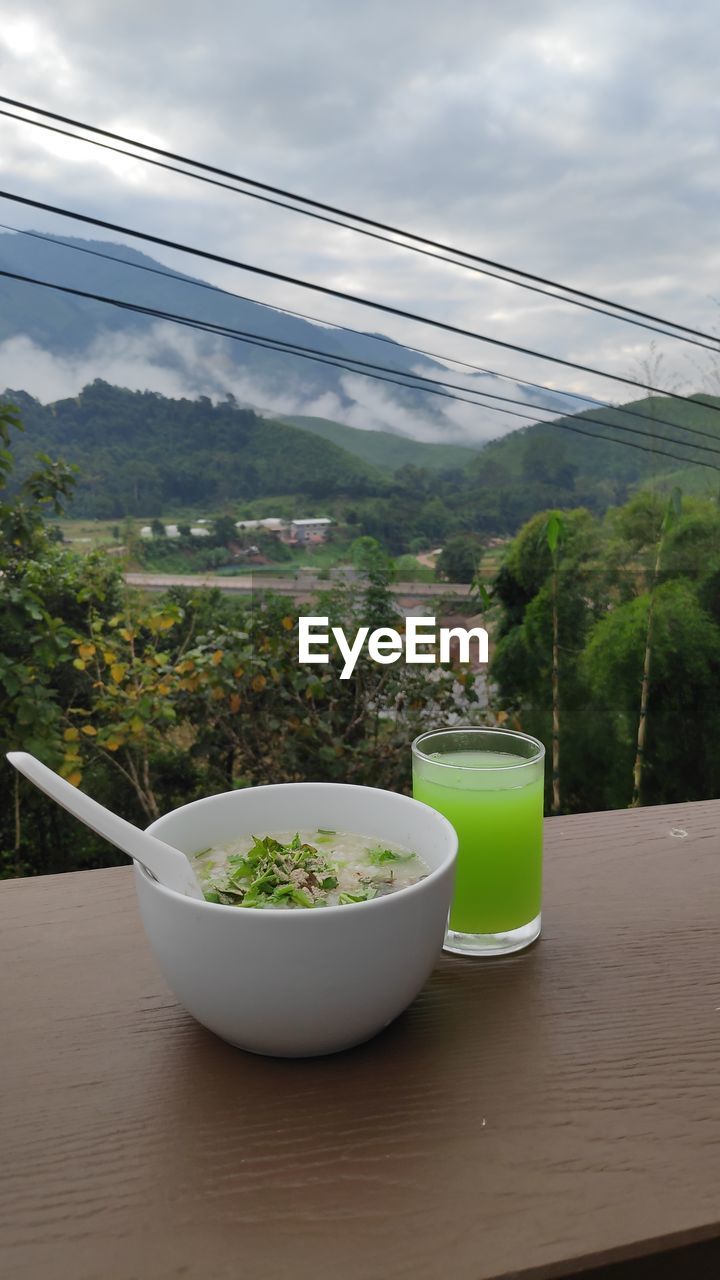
[460,558]
[36,675]
[384,450]
[553,531]
[151,703]
[141,452]
[181,555]
[530,557]
[223,530]
[683,739]
[606,577]
[409,569]
[692,543]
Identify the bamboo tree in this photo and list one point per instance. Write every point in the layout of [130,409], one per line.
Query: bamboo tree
[671,514]
[554,531]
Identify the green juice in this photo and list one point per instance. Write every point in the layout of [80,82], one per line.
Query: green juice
[497,813]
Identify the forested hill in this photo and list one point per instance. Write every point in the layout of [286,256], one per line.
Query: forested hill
[89,331]
[386,451]
[139,452]
[615,447]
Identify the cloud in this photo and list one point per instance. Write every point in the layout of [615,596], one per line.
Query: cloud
[572,141]
[138,363]
[181,364]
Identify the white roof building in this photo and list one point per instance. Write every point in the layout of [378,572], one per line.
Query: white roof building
[268,522]
[172,531]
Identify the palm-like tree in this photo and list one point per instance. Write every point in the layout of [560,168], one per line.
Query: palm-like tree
[671,514]
[554,531]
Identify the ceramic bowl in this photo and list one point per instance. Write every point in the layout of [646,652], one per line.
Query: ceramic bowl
[294,983]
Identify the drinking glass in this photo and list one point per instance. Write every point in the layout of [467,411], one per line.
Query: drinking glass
[489,784]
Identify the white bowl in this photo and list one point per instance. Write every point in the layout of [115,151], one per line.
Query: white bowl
[299,982]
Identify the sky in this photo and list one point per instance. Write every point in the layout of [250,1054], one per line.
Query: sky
[577,142]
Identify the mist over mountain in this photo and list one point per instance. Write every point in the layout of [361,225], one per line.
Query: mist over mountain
[52,344]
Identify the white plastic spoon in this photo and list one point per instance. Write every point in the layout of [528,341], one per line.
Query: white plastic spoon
[166,864]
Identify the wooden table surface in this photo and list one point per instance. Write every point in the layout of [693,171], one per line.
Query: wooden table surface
[535,1116]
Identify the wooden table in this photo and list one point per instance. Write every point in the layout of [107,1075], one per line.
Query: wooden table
[537,1116]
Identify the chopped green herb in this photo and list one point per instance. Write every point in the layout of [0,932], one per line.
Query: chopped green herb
[274,874]
[379,855]
[293,870]
[346,898]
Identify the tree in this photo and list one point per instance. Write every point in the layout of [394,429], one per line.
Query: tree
[554,533]
[377,605]
[125,707]
[460,558]
[35,640]
[223,531]
[681,760]
[671,514]
[549,594]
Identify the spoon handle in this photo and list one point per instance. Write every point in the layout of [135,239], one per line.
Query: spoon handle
[168,865]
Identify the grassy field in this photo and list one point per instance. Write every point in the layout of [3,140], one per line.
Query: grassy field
[84,535]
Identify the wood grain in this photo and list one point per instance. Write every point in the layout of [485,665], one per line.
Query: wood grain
[535,1116]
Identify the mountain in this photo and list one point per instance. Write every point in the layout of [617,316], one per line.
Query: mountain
[140,452]
[386,451]
[99,339]
[587,461]
[627,443]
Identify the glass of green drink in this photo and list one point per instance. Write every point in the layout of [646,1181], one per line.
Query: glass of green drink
[489,784]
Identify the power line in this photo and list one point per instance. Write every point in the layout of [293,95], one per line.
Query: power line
[303,315]
[564,426]
[347,297]
[267,343]
[174,276]
[365,222]
[467,266]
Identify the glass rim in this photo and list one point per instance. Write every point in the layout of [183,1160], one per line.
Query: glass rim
[538,755]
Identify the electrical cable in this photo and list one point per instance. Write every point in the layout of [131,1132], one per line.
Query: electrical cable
[254,195]
[174,276]
[347,297]
[523,276]
[267,343]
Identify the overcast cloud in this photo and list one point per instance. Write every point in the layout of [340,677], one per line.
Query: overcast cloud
[577,142]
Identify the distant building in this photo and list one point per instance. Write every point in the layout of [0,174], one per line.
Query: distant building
[312,530]
[172,531]
[272,523]
[295,532]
